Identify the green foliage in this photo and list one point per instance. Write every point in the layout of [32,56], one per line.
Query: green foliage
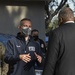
[55,24]
[52,25]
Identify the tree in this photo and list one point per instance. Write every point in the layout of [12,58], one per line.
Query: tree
[50,13]
[74,4]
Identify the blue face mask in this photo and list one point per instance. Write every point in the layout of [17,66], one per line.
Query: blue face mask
[26,31]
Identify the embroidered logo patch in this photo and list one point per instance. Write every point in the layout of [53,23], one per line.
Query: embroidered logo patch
[31,48]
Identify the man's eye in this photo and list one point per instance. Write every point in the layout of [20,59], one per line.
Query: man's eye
[26,26]
[30,26]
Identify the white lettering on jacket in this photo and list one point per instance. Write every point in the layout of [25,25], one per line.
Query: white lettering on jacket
[18,46]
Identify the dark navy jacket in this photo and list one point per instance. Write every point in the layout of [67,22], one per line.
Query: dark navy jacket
[15,47]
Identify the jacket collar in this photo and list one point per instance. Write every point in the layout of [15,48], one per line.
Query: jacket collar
[21,36]
[69,22]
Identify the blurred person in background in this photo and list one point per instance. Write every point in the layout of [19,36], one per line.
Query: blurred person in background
[35,35]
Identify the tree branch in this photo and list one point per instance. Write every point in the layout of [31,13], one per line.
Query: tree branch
[62,3]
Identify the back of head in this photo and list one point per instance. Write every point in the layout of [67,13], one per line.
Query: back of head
[66,14]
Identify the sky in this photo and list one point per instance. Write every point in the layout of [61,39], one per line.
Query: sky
[71,4]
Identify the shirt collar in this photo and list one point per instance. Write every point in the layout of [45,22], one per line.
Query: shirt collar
[69,22]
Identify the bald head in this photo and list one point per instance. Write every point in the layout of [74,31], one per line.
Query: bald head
[66,14]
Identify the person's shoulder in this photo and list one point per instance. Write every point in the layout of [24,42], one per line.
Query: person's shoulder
[59,29]
[12,39]
[41,40]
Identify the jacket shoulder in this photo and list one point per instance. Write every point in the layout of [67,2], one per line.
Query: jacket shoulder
[12,40]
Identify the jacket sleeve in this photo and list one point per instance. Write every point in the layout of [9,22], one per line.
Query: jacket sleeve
[11,55]
[41,54]
[52,54]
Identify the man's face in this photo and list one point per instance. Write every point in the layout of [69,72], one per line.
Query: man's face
[26,24]
[26,27]
[60,21]
[35,33]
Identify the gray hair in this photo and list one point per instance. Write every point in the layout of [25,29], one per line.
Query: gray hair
[66,13]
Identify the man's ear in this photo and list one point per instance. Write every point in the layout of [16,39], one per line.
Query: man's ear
[60,21]
[19,27]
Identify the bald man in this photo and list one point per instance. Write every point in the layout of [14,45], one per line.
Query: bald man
[61,47]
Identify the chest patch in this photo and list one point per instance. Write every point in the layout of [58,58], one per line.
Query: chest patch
[31,48]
